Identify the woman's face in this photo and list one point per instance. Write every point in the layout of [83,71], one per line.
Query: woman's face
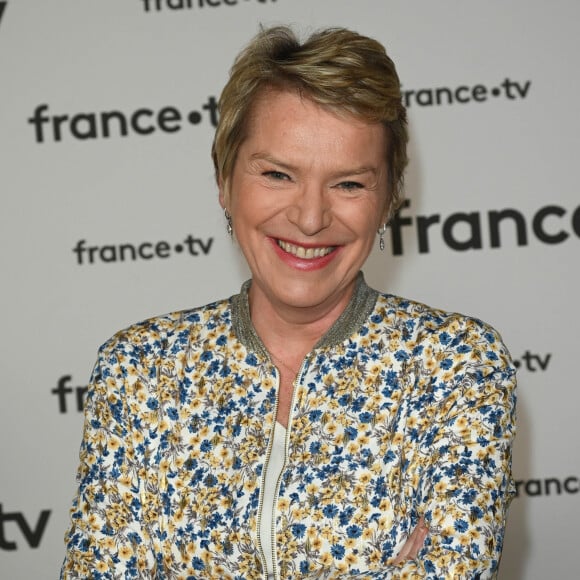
[307,194]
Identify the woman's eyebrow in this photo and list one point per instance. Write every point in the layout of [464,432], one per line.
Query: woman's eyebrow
[359,170]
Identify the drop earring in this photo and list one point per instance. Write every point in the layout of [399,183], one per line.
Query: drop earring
[381,231]
[229,227]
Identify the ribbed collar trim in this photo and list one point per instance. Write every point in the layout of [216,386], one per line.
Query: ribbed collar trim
[359,308]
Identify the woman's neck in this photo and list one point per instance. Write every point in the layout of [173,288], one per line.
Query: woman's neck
[292,331]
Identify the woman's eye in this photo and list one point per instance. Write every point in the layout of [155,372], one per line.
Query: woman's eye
[350,185]
[278,175]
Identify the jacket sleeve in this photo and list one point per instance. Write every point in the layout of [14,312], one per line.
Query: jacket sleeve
[466,489]
[107,537]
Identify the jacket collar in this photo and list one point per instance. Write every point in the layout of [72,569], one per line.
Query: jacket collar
[350,321]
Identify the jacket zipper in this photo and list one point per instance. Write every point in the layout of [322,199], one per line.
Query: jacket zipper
[295,384]
[263,483]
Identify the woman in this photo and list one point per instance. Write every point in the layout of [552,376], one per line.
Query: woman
[308,427]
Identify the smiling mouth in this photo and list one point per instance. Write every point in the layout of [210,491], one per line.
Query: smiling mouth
[305,253]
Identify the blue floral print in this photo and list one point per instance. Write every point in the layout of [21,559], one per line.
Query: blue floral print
[408,415]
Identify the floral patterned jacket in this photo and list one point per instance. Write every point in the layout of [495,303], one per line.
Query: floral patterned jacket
[400,411]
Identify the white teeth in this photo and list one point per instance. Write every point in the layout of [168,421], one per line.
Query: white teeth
[305,253]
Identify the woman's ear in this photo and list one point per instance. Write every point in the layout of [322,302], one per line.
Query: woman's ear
[385,214]
[222,194]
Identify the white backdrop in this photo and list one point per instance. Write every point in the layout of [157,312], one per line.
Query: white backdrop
[105,130]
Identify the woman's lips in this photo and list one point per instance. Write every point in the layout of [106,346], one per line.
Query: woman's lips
[305,258]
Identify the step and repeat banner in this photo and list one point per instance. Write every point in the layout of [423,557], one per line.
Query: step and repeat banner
[109,215]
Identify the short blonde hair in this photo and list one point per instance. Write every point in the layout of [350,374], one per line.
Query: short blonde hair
[336,68]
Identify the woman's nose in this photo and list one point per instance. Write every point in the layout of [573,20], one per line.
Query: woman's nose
[311,211]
